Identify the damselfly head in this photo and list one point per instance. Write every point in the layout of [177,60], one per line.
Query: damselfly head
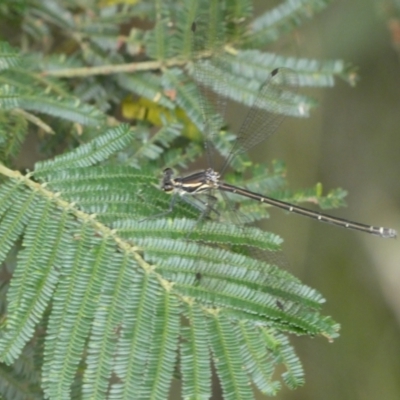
[168,172]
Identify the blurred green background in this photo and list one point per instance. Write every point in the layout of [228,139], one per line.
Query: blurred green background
[351,141]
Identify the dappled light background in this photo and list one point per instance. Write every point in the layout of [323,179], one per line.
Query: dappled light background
[351,141]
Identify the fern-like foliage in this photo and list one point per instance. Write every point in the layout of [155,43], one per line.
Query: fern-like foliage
[21,89]
[106,294]
[116,286]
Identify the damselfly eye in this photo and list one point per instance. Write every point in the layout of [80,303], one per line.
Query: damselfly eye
[168,172]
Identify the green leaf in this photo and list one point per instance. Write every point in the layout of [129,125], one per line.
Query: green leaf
[195,356]
[283,352]
[85,263]
[224,338]
[9,57]
[104,337]
[107,144]
[68,109]
[258,360]
[115,288]
[32,286]
[283,18]
[137,334]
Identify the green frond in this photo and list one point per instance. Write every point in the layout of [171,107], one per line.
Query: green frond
[93,92]
[153,147]
[112,192]
[34,279]
[157,43]
[187,95]
[69,109]
[225,339]
[175,158]
[58,61]
[182,41]
[23,88]
[9,57]
[24,369]
[245,91]
[178,263]
[29,83]
[163,348]
[334,198]
[16,203]
[180,228]
[84,271]
[283,18]
[136,336]
[224,273]
[224,142]
[146,85]
[279,346]
[239,9]
[13,9]
[254,64]
[13,130]
[258,361]
[210,23]
[54,13]
[195,355]
[9,97]
[107,144]
[164,136]
[104,337]
[264,180]
[103,34]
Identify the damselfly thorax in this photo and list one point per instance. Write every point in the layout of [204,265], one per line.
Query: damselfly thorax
[196,183]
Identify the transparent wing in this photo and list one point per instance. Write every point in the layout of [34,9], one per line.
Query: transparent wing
[276,98]
[207,70]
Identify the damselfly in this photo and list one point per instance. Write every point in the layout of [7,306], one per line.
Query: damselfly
[256,127]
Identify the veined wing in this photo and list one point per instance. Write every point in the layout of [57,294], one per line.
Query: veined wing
[208,71]
[275,99]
